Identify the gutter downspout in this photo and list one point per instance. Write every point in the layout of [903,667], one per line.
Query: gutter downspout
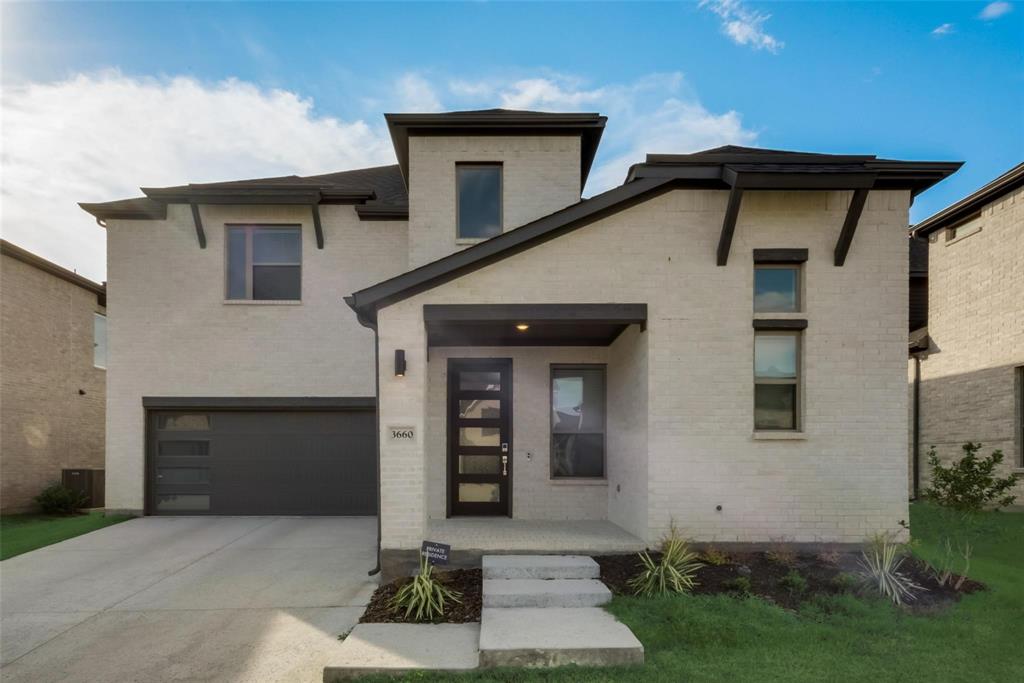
[372,324]
[917,425]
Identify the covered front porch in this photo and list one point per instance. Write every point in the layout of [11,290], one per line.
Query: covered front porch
[536,427]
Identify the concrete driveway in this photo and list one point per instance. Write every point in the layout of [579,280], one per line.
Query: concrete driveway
[187,598]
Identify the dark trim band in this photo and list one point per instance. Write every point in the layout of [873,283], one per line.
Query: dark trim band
[604,313]
[780,324]
[780,256]
[259,403]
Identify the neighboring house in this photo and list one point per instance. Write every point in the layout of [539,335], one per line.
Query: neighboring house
[718,341]
[52,374]
[968,352]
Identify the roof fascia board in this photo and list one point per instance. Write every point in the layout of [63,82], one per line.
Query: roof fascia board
[602,313]
[972,203]
[101,211]
[38,262]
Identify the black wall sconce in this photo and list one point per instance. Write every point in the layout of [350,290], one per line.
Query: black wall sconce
[399,362]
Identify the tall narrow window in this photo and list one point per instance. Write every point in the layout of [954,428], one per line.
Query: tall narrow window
[479,200]
[776,288]
[264,263]
[577,421]
[776,380]
[99,340]
[1020,416]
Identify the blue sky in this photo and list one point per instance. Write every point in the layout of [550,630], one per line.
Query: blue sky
[101,98]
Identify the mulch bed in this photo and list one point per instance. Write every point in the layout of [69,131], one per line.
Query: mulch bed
[469,582]
[766,579]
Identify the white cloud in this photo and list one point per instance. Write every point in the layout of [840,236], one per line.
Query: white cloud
[994,10]
[943,30]
[99,137]
[102,136]
[744,25]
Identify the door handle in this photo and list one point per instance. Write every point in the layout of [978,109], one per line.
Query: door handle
[504,465]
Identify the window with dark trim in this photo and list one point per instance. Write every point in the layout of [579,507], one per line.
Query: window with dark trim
[264,262]
[478,200]
[578,408]
[776,288]
[776,380]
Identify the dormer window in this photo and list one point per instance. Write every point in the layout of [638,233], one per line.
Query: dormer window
[478,214]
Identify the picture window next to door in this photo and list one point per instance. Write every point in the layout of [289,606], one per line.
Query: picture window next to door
[577,421]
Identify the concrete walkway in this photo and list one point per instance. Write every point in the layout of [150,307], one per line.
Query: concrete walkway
[187,598]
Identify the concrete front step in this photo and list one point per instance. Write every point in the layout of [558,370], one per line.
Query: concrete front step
[541,637]
[372,649]
[540,567]
[545,593]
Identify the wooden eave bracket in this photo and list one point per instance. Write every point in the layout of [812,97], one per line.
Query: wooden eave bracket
[853,213]
[732,212]
[197,219]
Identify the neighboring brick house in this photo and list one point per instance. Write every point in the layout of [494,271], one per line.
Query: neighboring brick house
[970,354]
[52,376]
[719,341]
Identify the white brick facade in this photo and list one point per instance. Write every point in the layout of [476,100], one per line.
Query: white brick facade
[540,175]
[172,334]
[976,326]
[692,369]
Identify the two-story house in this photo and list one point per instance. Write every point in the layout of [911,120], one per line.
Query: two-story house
[53,360]
[967,342]
[718,341]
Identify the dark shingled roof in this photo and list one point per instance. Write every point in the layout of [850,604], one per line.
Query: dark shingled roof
[382,185]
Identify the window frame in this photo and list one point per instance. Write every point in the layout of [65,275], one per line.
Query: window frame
[798,294]
[1019,415]
[459,165]
[796,382]
[250,229]
[603,367]
[96,316]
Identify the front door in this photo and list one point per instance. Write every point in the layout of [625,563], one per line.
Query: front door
[479,436]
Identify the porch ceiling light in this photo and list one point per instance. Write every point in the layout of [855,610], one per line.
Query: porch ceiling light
[522,327]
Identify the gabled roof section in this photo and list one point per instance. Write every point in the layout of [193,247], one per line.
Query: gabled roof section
[27,257]
[381,186]
[367,301]
[971,204]
[753,168]
[589,126]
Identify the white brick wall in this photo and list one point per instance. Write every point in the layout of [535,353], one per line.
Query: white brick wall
[844,480]
[171,334]
[976,324]
[540,174]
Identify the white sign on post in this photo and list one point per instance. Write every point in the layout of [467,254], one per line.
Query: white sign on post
[401,433]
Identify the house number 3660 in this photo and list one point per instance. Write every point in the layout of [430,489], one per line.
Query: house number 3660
[402,433]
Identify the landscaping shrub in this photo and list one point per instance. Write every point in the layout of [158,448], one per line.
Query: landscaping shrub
[793,582]
[423,598]
[781,552]
[740,585]
[880,569]
[57,499]
[829,556]
[944,571]
[673,573]
[969,484]
[845,583]
[714,556]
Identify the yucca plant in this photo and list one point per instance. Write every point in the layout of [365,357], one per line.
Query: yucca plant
[880,568]
[675,571]
[424,598]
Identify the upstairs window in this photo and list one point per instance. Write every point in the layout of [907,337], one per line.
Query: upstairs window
[776,288]
[478,211]
[99,340]
[264,263]
[776,380]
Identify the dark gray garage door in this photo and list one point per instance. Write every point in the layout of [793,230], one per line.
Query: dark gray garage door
[262,463]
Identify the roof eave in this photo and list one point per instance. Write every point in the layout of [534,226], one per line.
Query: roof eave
[972,203]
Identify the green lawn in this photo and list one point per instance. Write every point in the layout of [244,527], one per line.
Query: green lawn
[22,533]
[843,639]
